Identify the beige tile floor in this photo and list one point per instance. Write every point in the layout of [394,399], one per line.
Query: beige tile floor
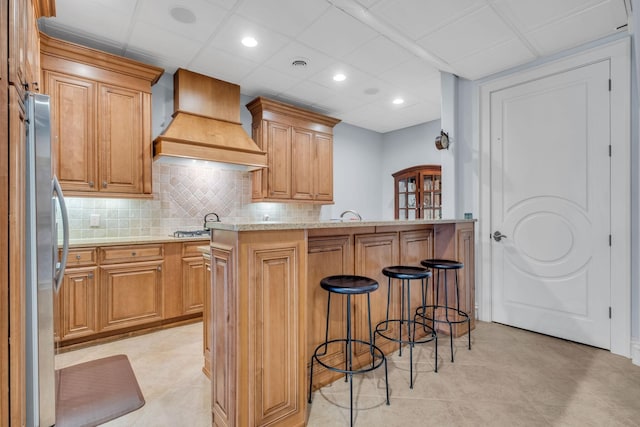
[509,378]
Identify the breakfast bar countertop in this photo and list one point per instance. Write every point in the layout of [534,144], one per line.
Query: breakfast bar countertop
[276,225]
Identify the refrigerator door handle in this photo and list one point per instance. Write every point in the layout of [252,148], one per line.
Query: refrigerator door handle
[60,266]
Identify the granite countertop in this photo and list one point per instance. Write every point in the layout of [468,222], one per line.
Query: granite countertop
[274,225]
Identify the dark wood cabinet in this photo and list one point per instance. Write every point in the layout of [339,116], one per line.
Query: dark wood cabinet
[418,192]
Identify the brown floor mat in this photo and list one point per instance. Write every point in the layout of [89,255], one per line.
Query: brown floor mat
[95,392]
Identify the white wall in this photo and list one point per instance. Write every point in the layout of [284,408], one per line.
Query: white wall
[404,148]
[357,159]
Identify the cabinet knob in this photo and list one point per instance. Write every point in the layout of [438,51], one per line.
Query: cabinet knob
[91,184]
[133,253]
[159,268]
[104,184]
[78,257]
[90,275]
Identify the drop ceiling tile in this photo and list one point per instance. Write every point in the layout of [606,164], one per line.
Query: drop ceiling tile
[157,41]
[416,18]
[234,29]
[336,33]
[310,92]
[529,15]
[289,17]
[497,58]
[337,104]
[92,17]
[591,24]
[222,65]
[411,73]
[157,13]
[227,4]
[474,32]
[263,81]
[367,57]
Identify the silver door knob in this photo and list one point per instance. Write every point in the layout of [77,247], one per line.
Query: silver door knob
[497,236]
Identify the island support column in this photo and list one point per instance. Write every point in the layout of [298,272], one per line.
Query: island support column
[258,302]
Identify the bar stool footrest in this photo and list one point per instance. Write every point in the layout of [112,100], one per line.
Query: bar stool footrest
[431,333]
[377,358]
[421,312]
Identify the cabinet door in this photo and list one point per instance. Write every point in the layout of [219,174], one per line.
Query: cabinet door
[18,36]
[73,131]
[192,285]
[302,164]
[130,294]
[279,160]
[78,303]
[121,140]
[323,170]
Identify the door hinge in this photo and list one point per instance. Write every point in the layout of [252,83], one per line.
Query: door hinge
[609,312]
[609,85]
[609,239]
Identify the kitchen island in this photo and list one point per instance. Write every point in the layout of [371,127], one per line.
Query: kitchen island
[268,310]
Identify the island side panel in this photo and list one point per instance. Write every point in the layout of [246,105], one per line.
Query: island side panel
[223,334]
[262,334]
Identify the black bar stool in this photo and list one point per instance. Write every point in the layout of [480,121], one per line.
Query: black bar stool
[452,314]
[349,285]
[406,274]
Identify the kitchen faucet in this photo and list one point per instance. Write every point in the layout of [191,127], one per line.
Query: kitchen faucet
[351,212]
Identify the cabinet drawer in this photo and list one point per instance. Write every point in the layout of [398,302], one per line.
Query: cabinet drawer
[80,257]
[117,254]
[190,249]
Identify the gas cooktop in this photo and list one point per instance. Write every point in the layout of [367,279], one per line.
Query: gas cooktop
[193,233]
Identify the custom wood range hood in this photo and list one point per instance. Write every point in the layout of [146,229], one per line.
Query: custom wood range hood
[206,124]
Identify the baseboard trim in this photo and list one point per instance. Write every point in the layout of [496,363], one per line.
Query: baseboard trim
[635,352]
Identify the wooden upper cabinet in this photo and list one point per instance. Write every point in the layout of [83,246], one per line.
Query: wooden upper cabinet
[299,146]
[24,45]
[101,119]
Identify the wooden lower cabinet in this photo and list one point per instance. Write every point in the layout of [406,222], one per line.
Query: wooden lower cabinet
[130,294]
[115,290]
[78,303]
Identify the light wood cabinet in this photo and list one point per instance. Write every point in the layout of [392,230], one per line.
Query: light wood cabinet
[130,294]
[299,147]
[418,192]
[24,46]
[193,283]
[113,290]
[101,119]
[76,304]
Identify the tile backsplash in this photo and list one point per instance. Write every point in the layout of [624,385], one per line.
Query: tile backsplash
[182,196]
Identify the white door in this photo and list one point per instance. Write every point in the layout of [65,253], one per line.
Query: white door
[550,197]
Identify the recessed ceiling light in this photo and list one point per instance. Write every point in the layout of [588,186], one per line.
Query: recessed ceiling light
[249,42]
[339,77]
[398,101]
[183,15]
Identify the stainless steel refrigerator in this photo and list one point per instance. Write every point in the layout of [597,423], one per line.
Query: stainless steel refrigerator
[44,270]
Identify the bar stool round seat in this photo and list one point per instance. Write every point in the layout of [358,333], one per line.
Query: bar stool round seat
[349,285]
[407,335]
[446,312]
